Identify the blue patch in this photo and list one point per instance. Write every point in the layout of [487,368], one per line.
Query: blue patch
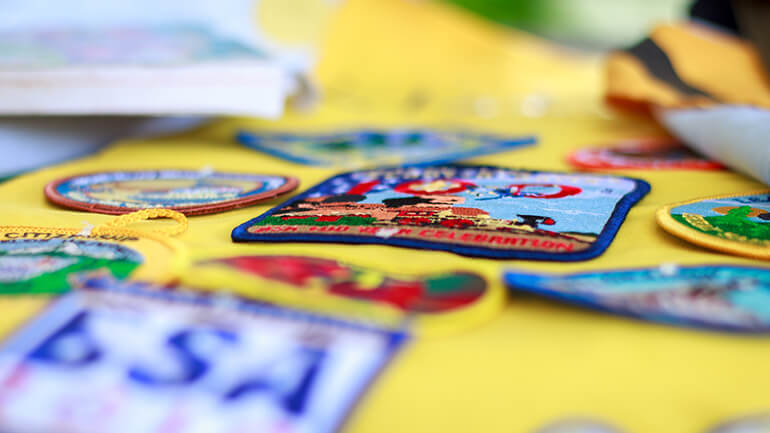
[126,349]
[370,148]
[723,297]
[470,210]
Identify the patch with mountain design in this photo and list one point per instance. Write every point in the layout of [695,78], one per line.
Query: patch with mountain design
[478,211]
[734,223]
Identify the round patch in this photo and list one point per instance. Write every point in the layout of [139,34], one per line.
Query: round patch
[733,298]
[344,289]
[36,260]
[750,424]
[188,192]
[733,223]
[43,266]
[577,425]
[642,154]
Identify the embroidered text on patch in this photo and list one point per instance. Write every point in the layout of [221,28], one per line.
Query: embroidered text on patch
[480,211]
[124,351]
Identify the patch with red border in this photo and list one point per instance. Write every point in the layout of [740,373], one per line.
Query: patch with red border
[642,154]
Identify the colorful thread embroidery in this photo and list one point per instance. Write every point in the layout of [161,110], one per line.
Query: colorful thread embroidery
[470,210]
[734,223]
[370,148]
[44,265]
[440,302]
[732,298]
[642,154]
[146,359]
[37,260]
[189,192]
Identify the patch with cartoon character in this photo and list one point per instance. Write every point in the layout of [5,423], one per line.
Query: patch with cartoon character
[733,223]
[189,192]
[470,210]
[642,154]
[372,148]
[438,301]
[722,297]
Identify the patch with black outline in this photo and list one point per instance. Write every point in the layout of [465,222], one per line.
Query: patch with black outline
[371,148]
[642,154]
[733,223]
[114,348]
[186,191]
[720,297]
[469,210]
[438,301]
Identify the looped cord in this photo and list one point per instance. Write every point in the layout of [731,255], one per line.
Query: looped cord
[145,214]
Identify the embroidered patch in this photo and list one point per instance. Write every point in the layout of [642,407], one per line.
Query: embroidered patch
[29,266]
[471,210]
[642,154]
[189,192]
[732,298]
[440,302]
[750,424]
[369,148]
[130,357]
[733,223]
[577,425]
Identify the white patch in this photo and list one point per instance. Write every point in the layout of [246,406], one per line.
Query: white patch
[386,233]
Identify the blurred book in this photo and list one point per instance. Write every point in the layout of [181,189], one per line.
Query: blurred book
[173,69]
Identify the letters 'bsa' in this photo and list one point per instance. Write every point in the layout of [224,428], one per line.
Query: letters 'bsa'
[115,357]
[471,210]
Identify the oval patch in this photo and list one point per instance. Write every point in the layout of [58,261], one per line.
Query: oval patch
[189,192]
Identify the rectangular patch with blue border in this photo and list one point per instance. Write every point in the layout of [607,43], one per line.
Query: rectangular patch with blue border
[479,211]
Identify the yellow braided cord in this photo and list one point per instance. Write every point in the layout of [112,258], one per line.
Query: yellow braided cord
[145,214]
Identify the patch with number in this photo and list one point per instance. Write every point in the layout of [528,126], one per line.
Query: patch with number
[189,192]
[369,148]
[128,357]
[470,210]
[438,301]
[29,266]
[733,223]
[725,297]
[642,154]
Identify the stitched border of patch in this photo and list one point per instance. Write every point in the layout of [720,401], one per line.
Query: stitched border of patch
[606,158]
[676,228]
[597,247]
[54,196]
[532,283]
[495,144]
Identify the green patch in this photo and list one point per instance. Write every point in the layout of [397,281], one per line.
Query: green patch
[736,221]
[58,281]
[312,221]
